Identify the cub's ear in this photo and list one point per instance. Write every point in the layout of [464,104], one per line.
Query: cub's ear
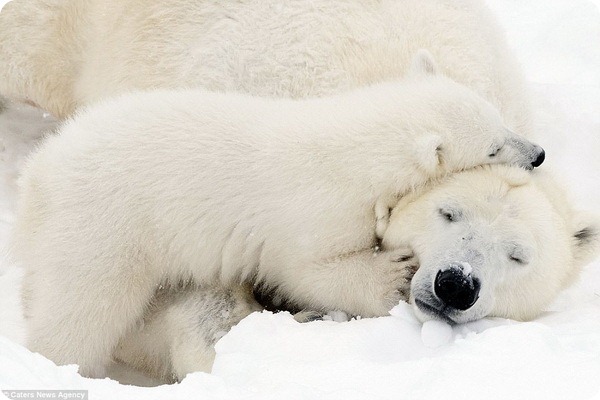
[586,238]
[423,63]
[427,152]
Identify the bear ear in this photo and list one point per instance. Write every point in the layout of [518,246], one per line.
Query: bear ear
[586,238]
[427,153]
[423,63]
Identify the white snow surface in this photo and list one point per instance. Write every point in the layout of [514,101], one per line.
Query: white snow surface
[270,356]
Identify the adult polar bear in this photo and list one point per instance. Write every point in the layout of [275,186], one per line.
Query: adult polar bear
[61,54]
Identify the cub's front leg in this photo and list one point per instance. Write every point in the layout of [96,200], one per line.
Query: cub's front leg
[368,283]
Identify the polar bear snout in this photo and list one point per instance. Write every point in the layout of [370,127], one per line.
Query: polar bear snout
[535,158]
[541,156]
[452,292]
[526,154]
[455,289]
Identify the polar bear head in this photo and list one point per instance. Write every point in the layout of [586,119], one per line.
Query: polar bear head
[464,128]
[492,241]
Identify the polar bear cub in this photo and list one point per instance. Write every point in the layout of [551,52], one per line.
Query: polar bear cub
[229,188]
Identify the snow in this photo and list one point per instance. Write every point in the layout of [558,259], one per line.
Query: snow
[270,356]
[337,316]
[467,269]
[436,333]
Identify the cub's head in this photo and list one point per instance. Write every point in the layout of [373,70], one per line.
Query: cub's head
[464,129]
[492,241]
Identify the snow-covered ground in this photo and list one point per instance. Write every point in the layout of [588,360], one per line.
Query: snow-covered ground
[270,356]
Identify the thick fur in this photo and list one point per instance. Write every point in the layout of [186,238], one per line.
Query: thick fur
[228,188]
[492,208]
[523,253]
[181,326]
[61,54]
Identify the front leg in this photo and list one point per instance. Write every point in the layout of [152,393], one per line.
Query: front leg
[367,283]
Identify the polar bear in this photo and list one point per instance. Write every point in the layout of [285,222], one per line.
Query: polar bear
[482,248]
[71,53]
[66,56]
[229,188]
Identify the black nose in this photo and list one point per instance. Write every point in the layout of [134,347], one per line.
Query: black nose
[539,160]
[456,289]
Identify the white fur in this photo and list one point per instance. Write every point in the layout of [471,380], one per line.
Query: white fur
[180,328]
[496,220]
[73,52]
[496,216]
[230,188]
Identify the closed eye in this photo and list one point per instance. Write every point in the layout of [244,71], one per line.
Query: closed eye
[517,260]
[495,152]
[518,254]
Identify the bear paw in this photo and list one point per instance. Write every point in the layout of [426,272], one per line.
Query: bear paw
[395,270]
